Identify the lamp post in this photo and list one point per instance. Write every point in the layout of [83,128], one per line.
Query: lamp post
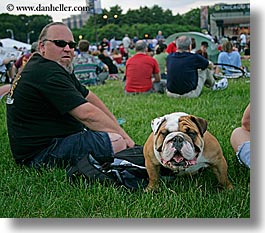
[28,36]
[12,33]
[105,17]
[91,4]
[115,17]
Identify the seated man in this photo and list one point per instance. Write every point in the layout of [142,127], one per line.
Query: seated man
[53,120]
[240,139]
[203,49]
[187,72]
[85,58]
[142,72]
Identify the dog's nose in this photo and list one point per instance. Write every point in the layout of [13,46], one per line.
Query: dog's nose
[178,142]
[178,139]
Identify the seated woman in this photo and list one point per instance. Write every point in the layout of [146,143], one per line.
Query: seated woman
[116,56]
[112,68]
[118,60]
[161,58]
[228,56]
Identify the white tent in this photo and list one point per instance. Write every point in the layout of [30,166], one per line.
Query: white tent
[9,43]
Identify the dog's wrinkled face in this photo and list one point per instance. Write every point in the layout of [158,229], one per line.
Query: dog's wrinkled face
[178,140]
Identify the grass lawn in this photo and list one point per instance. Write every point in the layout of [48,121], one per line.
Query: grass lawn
[26,193]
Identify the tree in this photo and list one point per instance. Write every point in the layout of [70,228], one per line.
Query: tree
[22,24]
[193,17]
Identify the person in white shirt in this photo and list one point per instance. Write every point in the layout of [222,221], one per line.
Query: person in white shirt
[243,41]
[3,67]
[126,43]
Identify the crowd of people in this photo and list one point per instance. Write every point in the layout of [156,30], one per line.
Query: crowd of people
[172,66]
[81,123]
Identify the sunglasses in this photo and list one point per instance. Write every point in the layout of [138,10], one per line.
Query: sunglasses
[62,43]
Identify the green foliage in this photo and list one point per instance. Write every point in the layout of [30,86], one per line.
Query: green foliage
[23,24]
[137,23]
[27,193]
[134,22]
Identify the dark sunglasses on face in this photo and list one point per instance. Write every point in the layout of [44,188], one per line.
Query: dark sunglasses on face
[62,43]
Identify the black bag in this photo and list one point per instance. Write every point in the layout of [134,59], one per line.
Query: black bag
[126,169]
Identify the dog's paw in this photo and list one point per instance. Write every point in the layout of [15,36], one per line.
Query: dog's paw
[149,189]
[229,186]
[152,188]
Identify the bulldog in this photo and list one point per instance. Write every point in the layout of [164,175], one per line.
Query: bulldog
[181,143]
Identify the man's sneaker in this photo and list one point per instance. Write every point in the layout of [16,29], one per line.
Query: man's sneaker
[220,85]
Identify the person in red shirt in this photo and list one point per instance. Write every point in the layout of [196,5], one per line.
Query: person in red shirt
[21,62]
[142,72]
[123,52]
[172,47]
[116,56]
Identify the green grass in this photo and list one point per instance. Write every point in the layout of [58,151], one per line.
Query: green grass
[26,193]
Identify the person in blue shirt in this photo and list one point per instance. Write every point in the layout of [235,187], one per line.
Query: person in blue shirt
[187,72]
[228,56]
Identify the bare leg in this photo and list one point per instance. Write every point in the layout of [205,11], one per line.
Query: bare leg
[238,136]
[4,89]
[118,143]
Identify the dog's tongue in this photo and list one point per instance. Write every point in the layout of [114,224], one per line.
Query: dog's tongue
[178,158]
[192,162]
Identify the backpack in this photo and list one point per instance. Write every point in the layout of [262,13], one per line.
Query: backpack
[125,169]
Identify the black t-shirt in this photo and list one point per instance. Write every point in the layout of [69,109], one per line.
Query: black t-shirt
[109,62]
[182,74]
[104,44]
[44,95]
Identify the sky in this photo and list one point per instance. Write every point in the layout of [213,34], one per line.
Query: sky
[176,6]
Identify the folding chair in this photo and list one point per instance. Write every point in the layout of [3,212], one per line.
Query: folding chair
[231,71]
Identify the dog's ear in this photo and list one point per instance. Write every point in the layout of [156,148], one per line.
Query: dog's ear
[159,133]
[156,124]
[200,123]
[160,137]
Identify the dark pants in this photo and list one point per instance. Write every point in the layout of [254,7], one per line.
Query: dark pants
[69,150]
